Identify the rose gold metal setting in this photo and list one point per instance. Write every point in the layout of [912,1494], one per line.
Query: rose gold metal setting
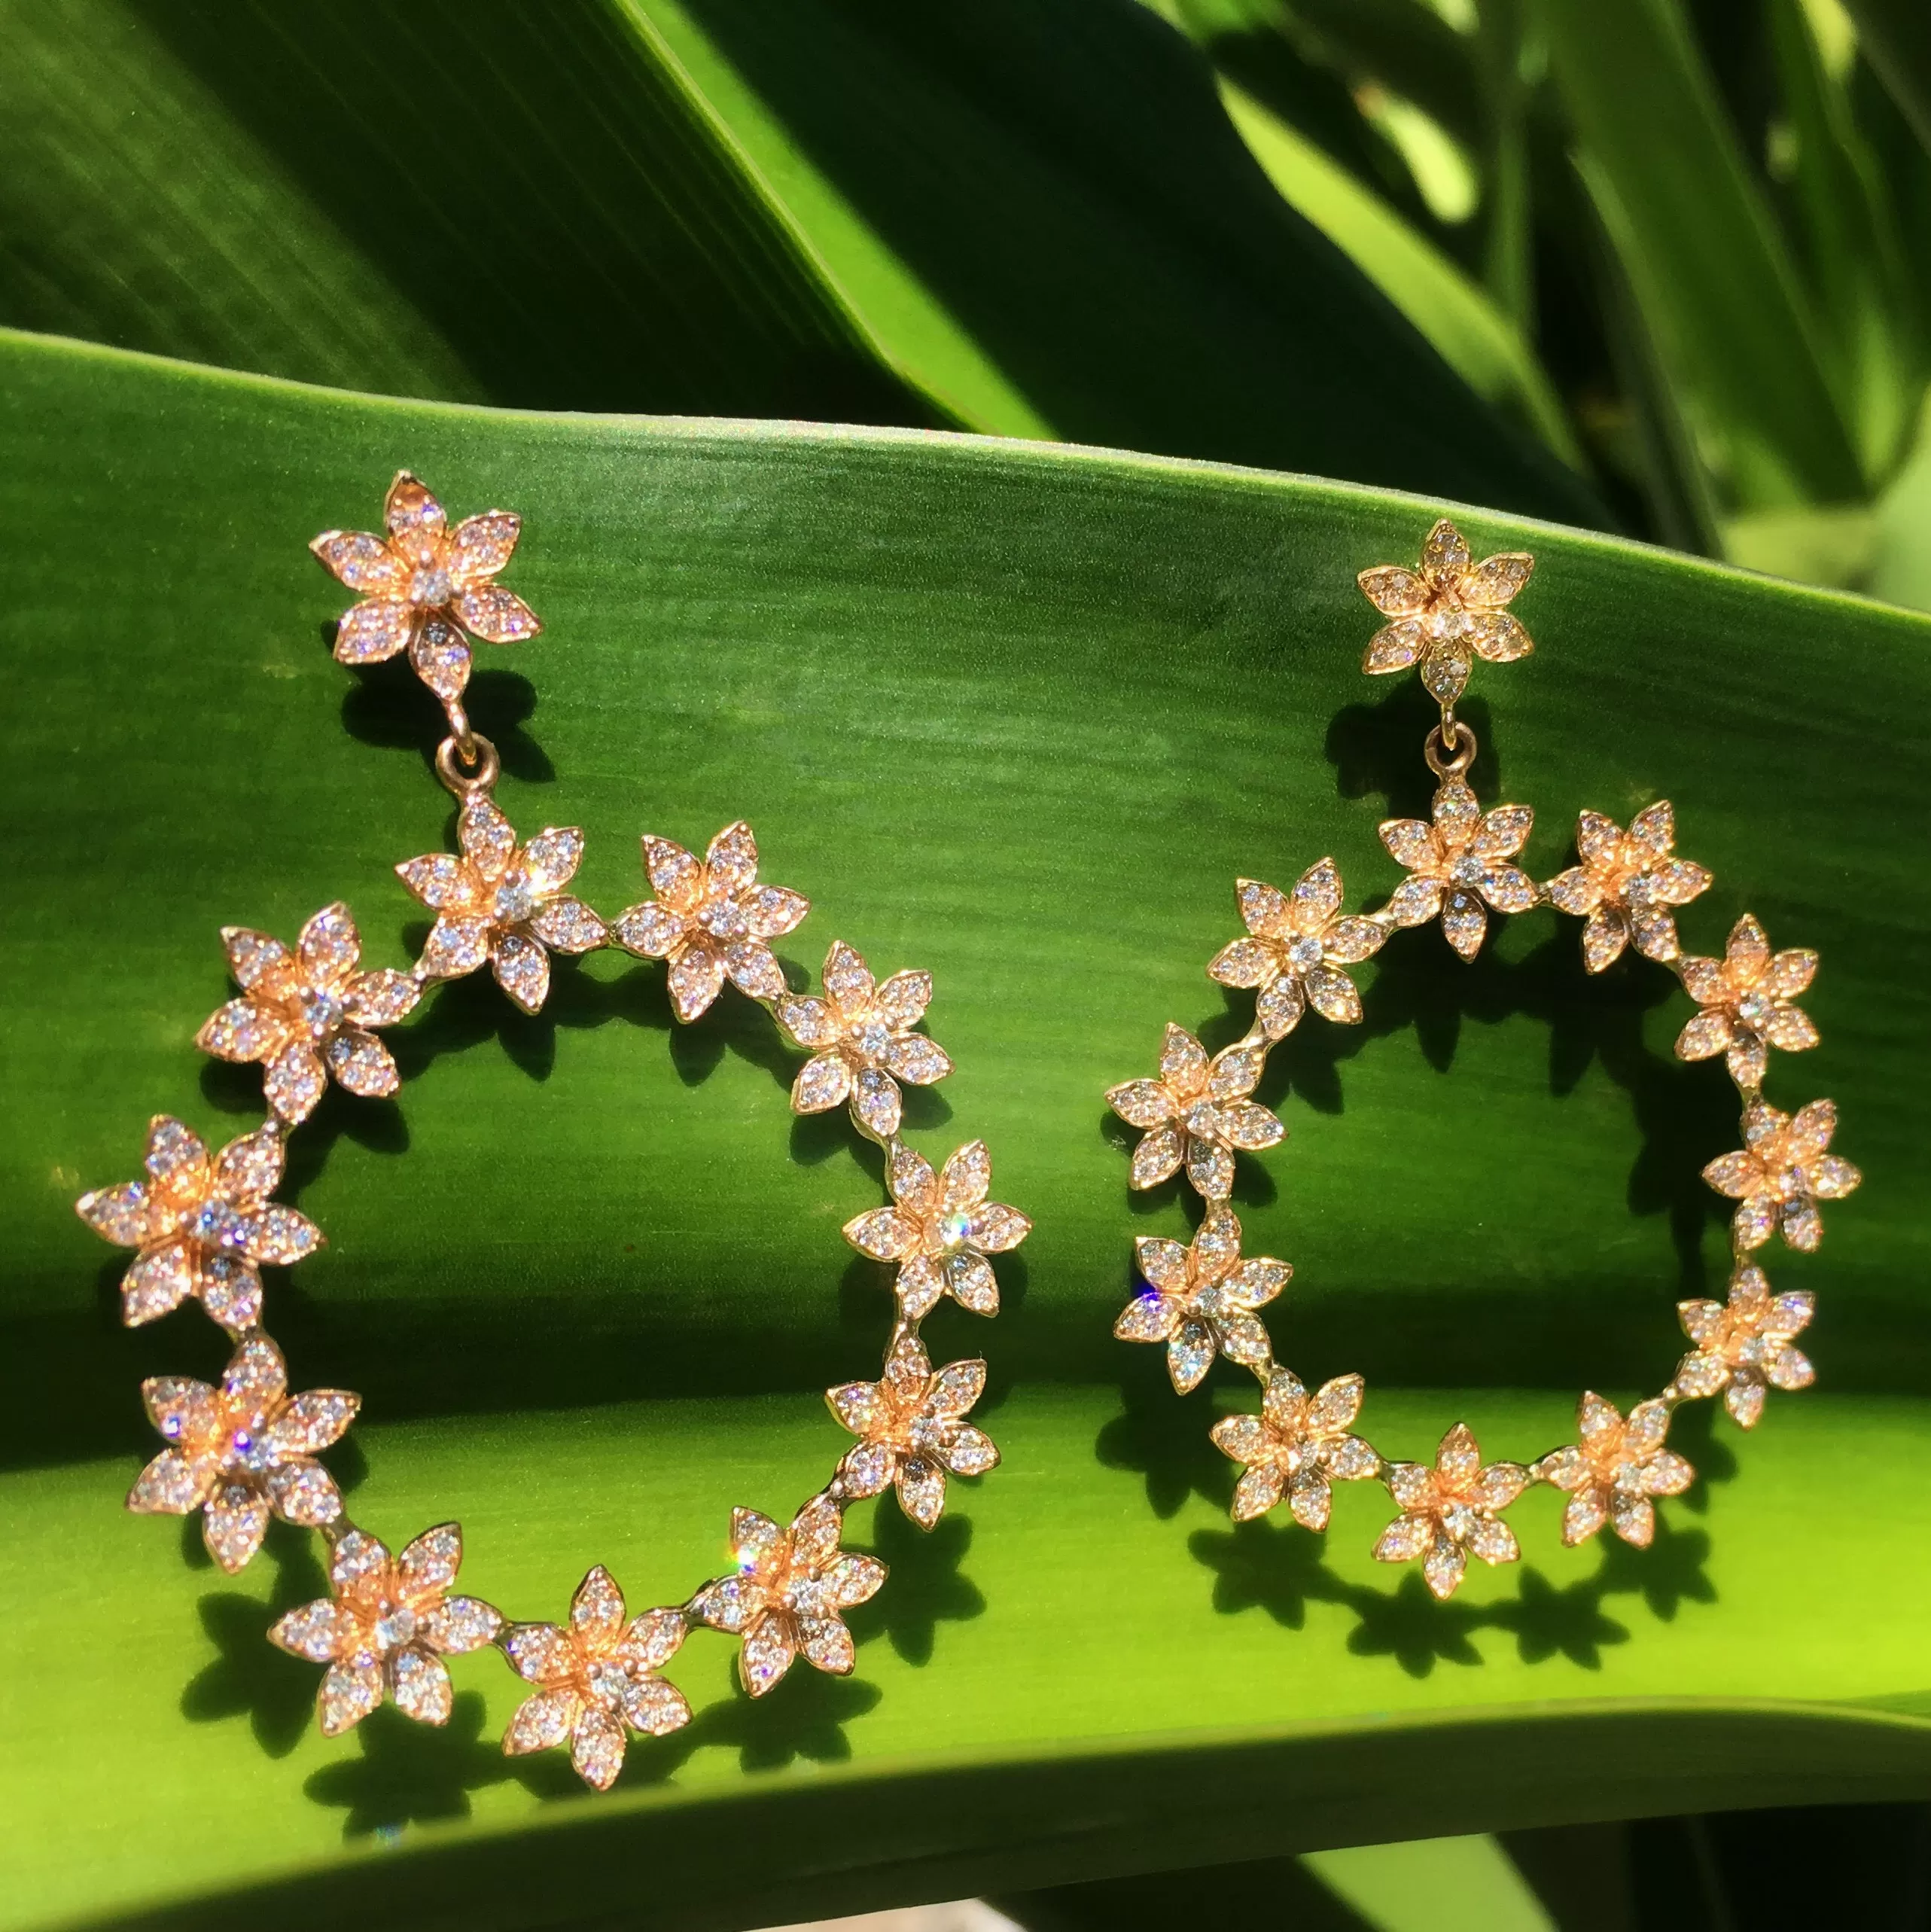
[202,1224]
[1204,1300]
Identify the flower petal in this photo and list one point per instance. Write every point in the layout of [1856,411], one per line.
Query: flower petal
[482,545]
[372,632]
[1183,1063]
[349,1691]
[172,1148]
[918,1060]
[1415,901]
[161,1278]
[1394,591]
[311,1631]
[597,1746]
[1604,936]
[651,931]
[902,999]
[1333,995]
[1189,1355]
[522,969]
[876,1103]
[596,1609]
[1149,1317]
[456,946]
[970,1280]
[1158,1157]
[1410,842]
[1210,1167]
[173,1484]
[439,655]
[1394,647]
[543,1721]
[731,859]
[774,911]
[1464,924]
[428,1566]
[1241,962]
[490,612]
[117,1214]
[695,979]
[993,1228]
[242,1031]
[965,1181]
[1257,1491]
[362,1064]
[1141,1103]
[1497,637]
[234,1524]
[420,1684]
[886,1234]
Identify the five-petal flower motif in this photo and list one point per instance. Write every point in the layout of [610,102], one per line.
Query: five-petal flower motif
[503,903]
[1612,1473]
[860,1037]
[1297,943]
[1196,1113]
[240,1451]
[596,1680]
[912,1429]
[1448,611]
[785,1598]
[1744,1346]
[711,919]
[940,1229]
[307,1014]
[201,1224]
[1450,1511]
[386,1627]
[1458,862]
[1298,1446]
[1745,997]
[1200,1299]
[1626,884]
[1780,1175]
[425,586]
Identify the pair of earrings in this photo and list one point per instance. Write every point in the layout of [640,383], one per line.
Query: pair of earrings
[203,1224]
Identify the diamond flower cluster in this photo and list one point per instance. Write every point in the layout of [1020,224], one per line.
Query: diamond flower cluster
[1200,1111]
[202,1225]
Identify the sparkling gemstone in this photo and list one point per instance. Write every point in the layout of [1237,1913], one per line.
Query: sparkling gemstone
[396,1626]
[217,1225]
[1754,1010]
[953,1228]
[872,1039]
[608,1682]
[320,1013]
[429,586]
[1202,1120]
[1304,955]
[1467,870]
[516,901]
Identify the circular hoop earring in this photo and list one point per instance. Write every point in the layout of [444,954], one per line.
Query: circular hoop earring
[203,1225]
[1203,1299]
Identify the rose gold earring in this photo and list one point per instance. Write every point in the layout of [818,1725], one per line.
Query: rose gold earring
[1203,1300]
[203,1224]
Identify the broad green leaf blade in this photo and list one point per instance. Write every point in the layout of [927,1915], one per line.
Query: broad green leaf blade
[1151,295]
[527,207]
[1473,335]
[1018,715]
[1702,251]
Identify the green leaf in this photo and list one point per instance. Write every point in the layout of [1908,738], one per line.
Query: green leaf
[1702,251]
[1473,336]
[524,207]
[785,210]
[1150,295]
[1019,716]
[1864,294]
[1895,36]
